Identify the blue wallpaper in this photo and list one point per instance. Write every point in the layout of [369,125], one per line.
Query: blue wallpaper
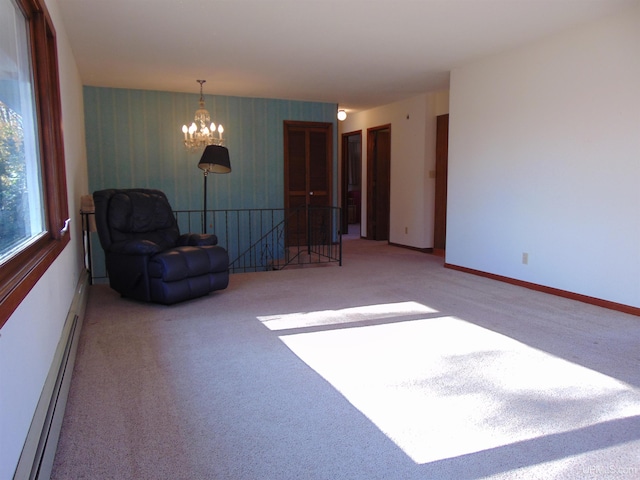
[134,139]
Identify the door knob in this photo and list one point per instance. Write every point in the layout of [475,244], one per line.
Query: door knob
[310,193]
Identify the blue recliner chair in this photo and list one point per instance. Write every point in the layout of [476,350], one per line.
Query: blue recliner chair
[146,256]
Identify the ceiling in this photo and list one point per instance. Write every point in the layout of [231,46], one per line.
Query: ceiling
[357,53]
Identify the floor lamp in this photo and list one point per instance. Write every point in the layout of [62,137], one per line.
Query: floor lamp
[215,159]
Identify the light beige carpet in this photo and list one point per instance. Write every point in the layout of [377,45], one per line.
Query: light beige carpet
[389,367]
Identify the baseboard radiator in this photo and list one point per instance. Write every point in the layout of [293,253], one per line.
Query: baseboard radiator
[38,453]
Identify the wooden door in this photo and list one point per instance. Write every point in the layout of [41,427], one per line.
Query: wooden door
[307,177]
[378,182]
[442,155]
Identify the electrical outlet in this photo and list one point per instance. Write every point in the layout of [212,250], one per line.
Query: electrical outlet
[406,230]
[525,258]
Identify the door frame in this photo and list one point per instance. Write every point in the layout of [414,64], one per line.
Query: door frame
[372,203]
[442,161]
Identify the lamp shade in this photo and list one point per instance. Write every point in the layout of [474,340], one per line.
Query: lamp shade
[215,159]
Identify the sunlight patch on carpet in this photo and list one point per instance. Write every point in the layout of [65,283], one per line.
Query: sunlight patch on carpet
[443,387]
[345,315]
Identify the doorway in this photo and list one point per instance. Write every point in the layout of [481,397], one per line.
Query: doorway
[442,163]
[378,182]
[351,182]
[307,176]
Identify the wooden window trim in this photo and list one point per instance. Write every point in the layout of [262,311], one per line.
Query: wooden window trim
[20,273]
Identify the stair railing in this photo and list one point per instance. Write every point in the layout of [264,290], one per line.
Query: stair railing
[256,239]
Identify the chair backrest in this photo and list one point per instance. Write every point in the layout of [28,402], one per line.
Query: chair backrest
[135,214]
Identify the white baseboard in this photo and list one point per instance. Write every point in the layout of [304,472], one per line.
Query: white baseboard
[38,453]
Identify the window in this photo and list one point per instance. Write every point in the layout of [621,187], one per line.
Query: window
[33,202]
[21,212]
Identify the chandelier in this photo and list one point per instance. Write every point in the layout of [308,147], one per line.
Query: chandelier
[202,131]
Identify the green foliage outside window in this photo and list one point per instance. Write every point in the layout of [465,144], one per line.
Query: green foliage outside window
[13,187]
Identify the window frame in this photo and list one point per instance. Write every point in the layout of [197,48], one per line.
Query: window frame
[21,272]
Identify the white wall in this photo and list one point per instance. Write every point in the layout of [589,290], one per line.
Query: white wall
[544,158]
[413,133]
[29,338]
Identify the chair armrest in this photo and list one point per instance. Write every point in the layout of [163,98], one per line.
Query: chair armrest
[136,247]
[197,239]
